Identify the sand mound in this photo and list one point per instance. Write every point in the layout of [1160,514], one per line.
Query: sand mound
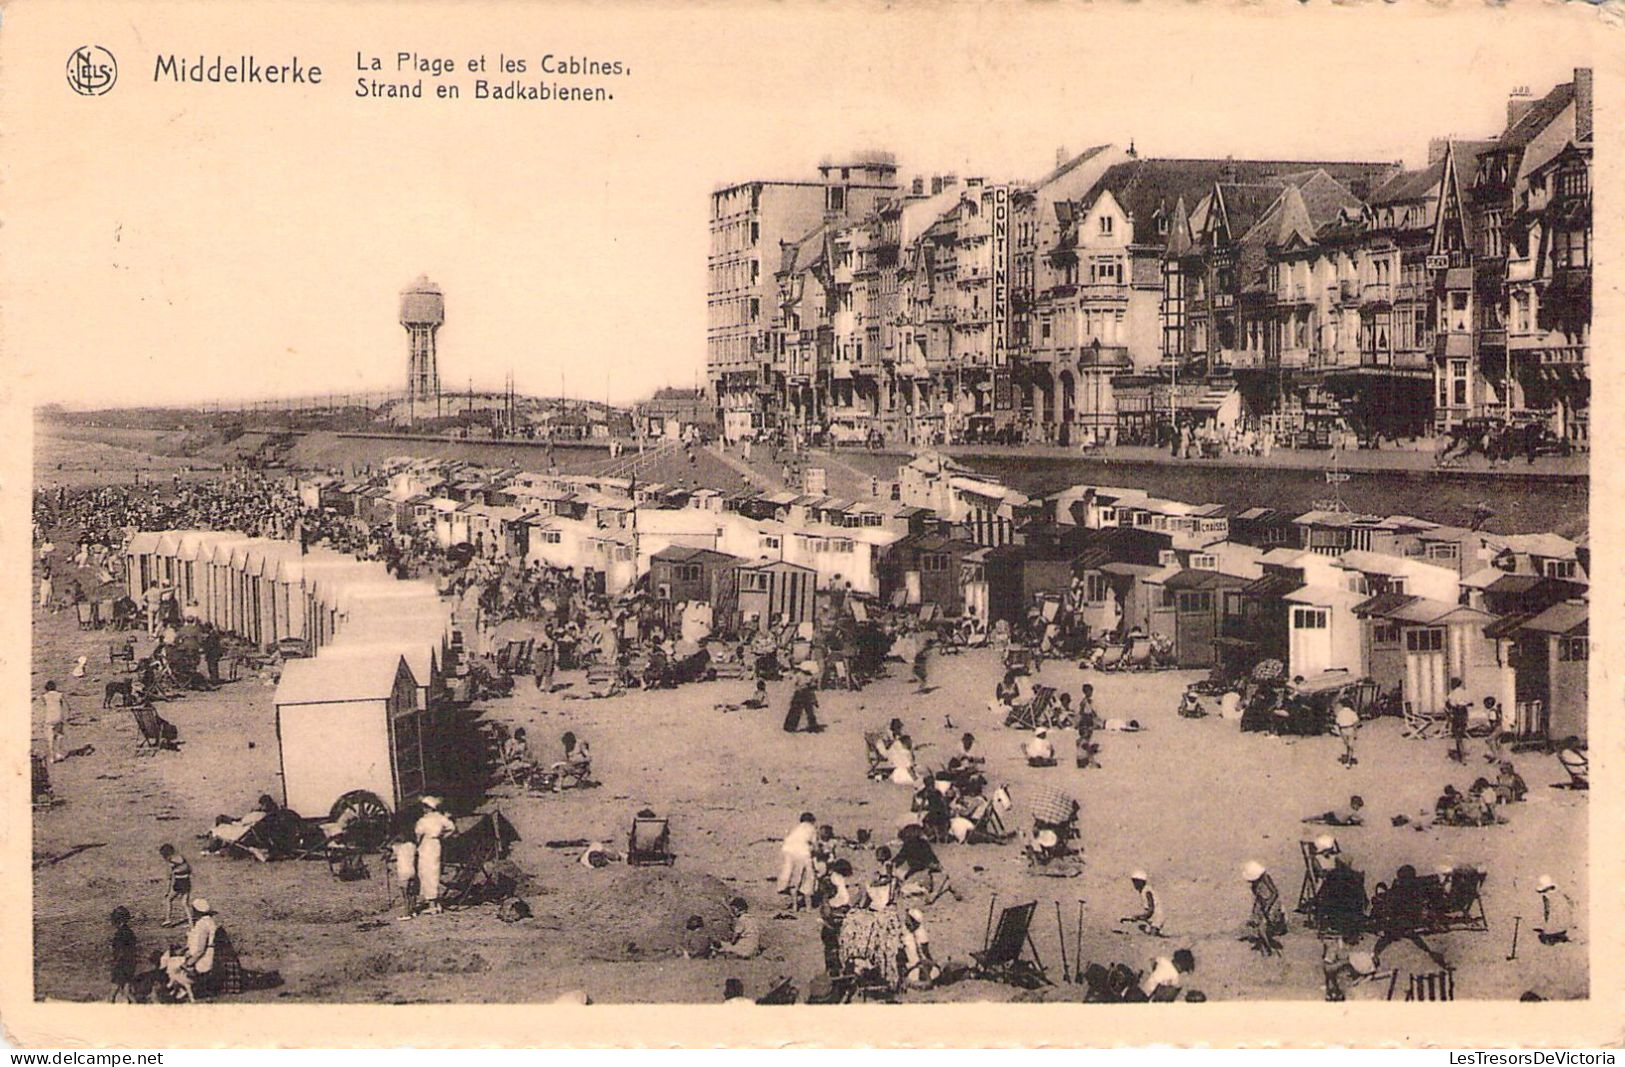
[641,912]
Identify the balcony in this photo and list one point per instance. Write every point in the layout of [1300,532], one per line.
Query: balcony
[1223,301]
[1377,293]
[1348,291]
[1103,356]
[1294,358]
[1496,339]
[1246,359]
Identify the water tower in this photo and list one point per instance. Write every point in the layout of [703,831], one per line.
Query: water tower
[423,309]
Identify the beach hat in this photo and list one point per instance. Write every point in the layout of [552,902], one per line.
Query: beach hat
[1041,732]
[432,803]
[1252,870]
[1545,883]
[1138,876]
[201,906]
[1325,843]
[917,915]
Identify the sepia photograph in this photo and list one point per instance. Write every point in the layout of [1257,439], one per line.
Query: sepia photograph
[763,507]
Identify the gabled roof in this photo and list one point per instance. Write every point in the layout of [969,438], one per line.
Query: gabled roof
[1540,114]
[1203,579]
[1409,185]
[1568,617]
[339,680]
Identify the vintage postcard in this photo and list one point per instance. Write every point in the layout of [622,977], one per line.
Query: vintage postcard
[890,524]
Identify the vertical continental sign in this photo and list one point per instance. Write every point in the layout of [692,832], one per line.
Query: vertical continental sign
[1001,275]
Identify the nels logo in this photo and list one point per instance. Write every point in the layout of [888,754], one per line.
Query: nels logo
[92,70]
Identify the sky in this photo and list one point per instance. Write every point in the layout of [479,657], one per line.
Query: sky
[181,244]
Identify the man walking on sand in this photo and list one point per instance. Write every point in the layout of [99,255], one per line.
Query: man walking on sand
[56,710]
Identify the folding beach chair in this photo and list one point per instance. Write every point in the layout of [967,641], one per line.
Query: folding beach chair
[1579,772]
[1034,713]
[1138,655]
[1431,985]
[86,610]
[156,732]
[1020,660]
[121,654]
[1463,905]
[649,843]
[1420,726]
[1311,878]
[1002,956]
[990,828]
[1111,657]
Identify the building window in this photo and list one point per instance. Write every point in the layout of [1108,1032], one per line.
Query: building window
[1385,634]
[1572,183]
[933,563]
[1428,640]
[753,582]
[1458,383]
[1449,550]
[1308,619]
[1574,649]
[1204,561]
[1571,248]
[687,572]
[1106,225]
[1458,311]
[1559,568]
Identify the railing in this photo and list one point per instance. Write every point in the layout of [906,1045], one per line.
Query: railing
[1378,293]
[1496,338]
[1348,291]
[1292,358]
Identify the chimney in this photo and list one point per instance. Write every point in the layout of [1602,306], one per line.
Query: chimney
[1582,104]
[919,186]
[936,184]
[1061,156]
[1437,147]
[1517,107]
[1227,172]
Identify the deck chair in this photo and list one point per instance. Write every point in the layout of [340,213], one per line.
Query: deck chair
[1311,878]
[156,732]
[1111,657]
[1034,713]
[561,776]
[874,747]
[1420,726]
[1021,660]
[1463,907]
[1431,985]
[121,655]
[1002,956]
[649,843]
[1138,655]
[1579,772]
[87,614]
[989,828]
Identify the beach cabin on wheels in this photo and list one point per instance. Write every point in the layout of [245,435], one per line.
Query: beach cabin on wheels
[1415,645]
[1198,600]
[1549,655]
[775,590]
[680,575]
[349,729]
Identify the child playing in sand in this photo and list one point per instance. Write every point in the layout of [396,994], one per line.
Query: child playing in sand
[125,952]
[178,885]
